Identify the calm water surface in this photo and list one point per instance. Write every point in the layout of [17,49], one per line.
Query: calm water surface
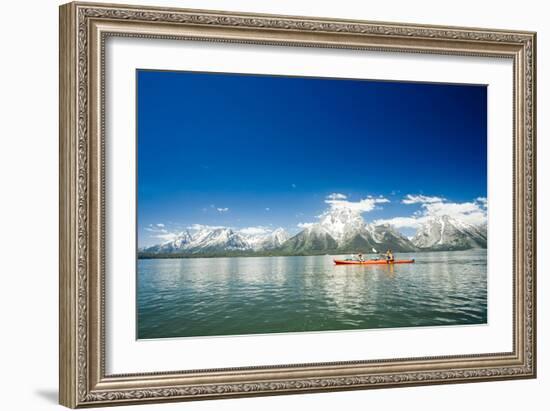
[249,295]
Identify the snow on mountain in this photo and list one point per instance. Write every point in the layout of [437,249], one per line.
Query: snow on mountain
[338,230]
[447,233]
[342,229]
[314,238]
[341,223]
[387,237]
[221,239]
[273,240]
[180,242]
[217,239]
[264,239]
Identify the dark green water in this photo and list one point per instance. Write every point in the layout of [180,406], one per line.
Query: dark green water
[229,296]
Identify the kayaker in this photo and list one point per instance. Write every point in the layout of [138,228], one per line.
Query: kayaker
[389,256]
[360,256]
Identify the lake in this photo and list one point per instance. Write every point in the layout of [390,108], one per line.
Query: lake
[250,295]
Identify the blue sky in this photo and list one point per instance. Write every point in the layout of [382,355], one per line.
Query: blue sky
[244,150]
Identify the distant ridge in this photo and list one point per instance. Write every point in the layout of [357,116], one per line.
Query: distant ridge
[339,230]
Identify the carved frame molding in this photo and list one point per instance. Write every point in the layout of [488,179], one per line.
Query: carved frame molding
[84,27]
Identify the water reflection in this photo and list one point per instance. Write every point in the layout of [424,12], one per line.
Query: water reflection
[223,296]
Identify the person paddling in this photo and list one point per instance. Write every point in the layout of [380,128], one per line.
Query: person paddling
[389,256]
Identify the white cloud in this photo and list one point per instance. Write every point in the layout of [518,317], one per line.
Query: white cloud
[482,201]
[159,231]
[336,200]
[450,209]
[156,228]
[258,230]
[305,225]
[421,199]
[222,209]
[337,196]
[167,236]
[470,212]
[198,227]
[403,222]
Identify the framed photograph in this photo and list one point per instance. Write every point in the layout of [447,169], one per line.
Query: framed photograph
[259,204]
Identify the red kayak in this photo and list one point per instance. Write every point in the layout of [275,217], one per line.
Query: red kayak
[372,262]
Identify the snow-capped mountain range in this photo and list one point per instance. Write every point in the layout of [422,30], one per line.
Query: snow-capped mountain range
[219,240]
[446,233]
[338,230]
[344,230]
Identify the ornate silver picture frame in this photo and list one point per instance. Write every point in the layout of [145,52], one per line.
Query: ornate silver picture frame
[84,29]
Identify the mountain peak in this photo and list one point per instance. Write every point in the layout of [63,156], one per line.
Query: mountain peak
[447,233]
[341,222]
